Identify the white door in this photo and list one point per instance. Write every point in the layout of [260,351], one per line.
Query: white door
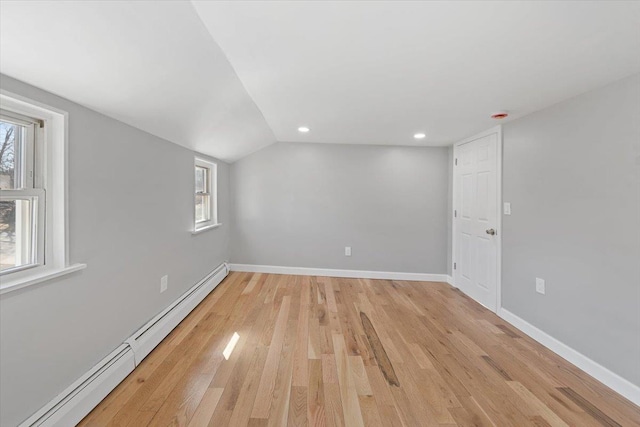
[476,218]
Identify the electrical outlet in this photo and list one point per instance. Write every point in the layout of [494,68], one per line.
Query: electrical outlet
[540,285]
[507,208]
[164,283]
[347,251]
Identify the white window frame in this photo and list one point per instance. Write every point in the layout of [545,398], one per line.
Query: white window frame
[52,182]
[28,188]
[212,185]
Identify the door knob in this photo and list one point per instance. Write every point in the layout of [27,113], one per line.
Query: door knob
[491,232]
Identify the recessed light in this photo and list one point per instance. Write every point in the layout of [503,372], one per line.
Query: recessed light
[303,129]
[419,136]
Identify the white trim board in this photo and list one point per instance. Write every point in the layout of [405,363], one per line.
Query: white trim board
[328,272]
[77,400]
[597,371]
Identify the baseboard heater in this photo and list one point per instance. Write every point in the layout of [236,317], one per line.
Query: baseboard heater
[74,403]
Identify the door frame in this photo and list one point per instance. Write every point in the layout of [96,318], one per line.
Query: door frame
[498,131]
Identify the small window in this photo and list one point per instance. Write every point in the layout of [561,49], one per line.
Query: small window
[205,195]
[22,196]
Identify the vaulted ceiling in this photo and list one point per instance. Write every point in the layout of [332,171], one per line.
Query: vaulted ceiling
[152,65]
[227,78]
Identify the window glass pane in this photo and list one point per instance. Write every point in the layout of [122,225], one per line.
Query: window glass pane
[16,227]
[203,210]
[11,156]
[201,180]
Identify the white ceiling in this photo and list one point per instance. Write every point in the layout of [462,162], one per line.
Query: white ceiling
[377,72]
[152,65]
[354,72]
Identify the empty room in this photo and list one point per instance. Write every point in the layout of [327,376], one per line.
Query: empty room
[319,213]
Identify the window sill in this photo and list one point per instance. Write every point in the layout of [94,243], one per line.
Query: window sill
[14,285]
[208,227]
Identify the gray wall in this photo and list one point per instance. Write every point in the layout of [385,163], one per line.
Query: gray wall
[130,212]
[572,175]
[299,205]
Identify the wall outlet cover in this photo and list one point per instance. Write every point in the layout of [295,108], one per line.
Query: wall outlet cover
[507,208]
[540,286]
[164,283]
[347,251]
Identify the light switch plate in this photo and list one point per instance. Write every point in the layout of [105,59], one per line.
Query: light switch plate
[507,208]
[540,286]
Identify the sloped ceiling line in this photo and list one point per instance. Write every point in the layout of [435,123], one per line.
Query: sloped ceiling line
[152,65]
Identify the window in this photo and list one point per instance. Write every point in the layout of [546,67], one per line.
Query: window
[206,209]
[22,198]
[33,189]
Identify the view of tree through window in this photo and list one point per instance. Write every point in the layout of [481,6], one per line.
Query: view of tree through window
[203,196]
[15,212]
[7,155]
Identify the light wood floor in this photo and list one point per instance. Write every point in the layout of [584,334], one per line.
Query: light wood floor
[351,352]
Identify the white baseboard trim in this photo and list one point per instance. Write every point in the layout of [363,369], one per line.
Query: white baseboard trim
[74,403]
[450,280]
[597,371]
[327,272]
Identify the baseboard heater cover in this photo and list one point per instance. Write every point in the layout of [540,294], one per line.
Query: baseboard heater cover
[74,403]
[70,406]
[151,334]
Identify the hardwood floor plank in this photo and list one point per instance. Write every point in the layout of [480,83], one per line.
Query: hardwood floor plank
[314,346]
[334,413]
[470,414]
[324,351]
[330,296]
[244,399]
[538,408]
[348,393]
[268,379]
[379,386]
[371,416]
[588,407]
[300,367]
[281,398]
[359,375]
[421,359]
[252,283]
[315,395]
[181,404]
[298,407]
[497,368]
[378,350]
[206,407]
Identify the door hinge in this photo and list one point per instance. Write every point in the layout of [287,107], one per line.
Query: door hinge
[455,214]
[456,162]
[455,266]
